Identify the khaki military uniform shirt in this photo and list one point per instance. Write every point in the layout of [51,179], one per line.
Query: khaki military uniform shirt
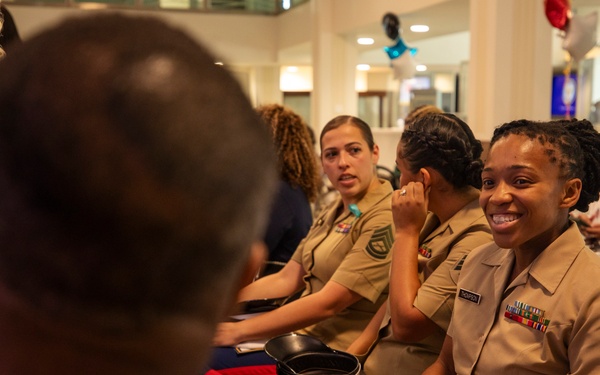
[354,252]
[441,255]
[547,321]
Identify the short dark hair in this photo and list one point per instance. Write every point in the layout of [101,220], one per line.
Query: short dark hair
[134,172]
[445,143]
[573,145]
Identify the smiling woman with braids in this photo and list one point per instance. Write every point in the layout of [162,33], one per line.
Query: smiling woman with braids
[291,215]
[530,302]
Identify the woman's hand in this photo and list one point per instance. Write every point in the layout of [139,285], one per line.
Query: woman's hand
[409,207]
[306,311]
[227,334]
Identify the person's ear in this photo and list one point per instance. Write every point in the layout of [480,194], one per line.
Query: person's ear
[425,178]
[570,193]
[375,155]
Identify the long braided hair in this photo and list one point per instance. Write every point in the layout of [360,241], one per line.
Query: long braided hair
[295,152]
[572,144]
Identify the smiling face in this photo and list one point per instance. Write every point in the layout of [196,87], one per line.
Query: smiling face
[524,197]
[349,163]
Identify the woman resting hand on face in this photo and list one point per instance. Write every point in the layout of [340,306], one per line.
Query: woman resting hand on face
[437,222]
[342,264]
[530,302]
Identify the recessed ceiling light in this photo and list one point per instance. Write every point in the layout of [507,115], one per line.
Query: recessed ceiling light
[419,28]
[365,41]
[421,68]
[363,67]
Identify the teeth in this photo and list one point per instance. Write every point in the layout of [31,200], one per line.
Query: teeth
[346,178]
[499,219]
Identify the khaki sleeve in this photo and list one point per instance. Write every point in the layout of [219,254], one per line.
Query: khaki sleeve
[365,268]
[436,296]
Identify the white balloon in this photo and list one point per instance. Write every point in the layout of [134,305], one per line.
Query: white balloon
[580,35]
[404,66]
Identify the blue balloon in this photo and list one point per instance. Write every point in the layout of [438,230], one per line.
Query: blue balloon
[398,49]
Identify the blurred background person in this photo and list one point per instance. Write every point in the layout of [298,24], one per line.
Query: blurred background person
[589,225]
[117,140]
[419,111]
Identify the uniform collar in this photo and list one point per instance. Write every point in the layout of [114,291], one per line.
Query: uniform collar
[550,267]
[461,220]
[383,191]
[497,257]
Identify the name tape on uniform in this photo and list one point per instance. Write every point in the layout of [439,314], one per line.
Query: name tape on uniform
[467,295]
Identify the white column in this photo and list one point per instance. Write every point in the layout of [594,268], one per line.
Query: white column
[510,68]
[334,61]
[267,84]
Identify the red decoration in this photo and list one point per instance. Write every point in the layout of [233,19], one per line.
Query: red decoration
[558,12]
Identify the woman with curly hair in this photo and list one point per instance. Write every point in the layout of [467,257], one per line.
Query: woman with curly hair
[437,221]
[291,215]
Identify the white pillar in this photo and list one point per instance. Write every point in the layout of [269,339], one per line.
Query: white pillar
[334,61]
[267,84]
[510,68]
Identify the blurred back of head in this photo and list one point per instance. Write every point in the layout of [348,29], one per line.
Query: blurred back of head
[134,174]
[9,35]
[417,112]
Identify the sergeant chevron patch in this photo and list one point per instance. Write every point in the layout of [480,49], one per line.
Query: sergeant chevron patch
[381,242]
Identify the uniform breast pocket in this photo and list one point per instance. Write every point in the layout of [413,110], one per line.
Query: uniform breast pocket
[534,339]
[541,347]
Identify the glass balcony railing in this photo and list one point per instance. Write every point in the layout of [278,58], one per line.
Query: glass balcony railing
[269,7]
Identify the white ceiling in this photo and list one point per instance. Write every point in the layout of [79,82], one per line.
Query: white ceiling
[446,44]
